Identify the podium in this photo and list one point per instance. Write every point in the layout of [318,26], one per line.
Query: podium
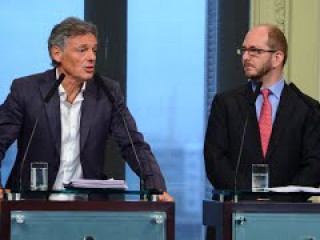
[262,219]
[86,220]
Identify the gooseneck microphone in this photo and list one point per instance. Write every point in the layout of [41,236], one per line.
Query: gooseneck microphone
[244,131]
[46,99]
[125,124]
[55,86]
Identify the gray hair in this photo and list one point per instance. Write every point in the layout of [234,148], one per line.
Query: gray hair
[69,27]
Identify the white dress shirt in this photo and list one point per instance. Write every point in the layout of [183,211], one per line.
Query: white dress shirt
[70,166]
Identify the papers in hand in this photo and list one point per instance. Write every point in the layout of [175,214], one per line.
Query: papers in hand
[90,183]
[293,188]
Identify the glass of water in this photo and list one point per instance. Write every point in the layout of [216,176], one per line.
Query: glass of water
[39,176]
[260,177]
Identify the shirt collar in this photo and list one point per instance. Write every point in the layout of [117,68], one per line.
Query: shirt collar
[62,91]
[276,89]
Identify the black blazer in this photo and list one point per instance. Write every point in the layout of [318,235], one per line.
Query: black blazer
[293,153]
[99,119]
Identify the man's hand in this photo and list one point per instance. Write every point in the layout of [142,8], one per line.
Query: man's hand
[165,197]
[2,191]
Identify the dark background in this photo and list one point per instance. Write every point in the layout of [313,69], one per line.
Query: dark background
[110,16]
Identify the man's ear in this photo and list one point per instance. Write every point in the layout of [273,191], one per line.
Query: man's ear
[278,58]
[56,53]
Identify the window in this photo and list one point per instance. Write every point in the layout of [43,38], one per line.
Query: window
[166,94]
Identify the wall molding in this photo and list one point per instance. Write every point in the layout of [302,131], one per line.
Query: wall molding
[299,22]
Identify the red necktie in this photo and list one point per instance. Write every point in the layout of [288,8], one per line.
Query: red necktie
[265,122]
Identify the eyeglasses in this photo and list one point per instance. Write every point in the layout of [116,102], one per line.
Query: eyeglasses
[254,52]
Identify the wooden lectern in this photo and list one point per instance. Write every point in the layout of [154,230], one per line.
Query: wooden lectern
[263,220]
[86,220]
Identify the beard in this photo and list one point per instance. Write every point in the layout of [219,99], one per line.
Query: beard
[260,71]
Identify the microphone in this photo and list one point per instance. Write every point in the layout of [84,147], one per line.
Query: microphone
[46,99]
[256,92]
[113,102]
[252,101]
[54,88]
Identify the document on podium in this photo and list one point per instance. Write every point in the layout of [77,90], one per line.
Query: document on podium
[101,184]
[294,188]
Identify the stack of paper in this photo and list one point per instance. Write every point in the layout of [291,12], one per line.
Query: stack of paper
[90,183]
[293,188]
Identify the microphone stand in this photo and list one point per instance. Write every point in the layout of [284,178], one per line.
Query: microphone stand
[244,132]
[46,100]
[112,100]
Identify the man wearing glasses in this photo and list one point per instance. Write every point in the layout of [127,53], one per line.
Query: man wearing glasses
[274,124]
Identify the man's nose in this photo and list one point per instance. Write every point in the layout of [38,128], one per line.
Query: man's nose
[92,55]
[245,55]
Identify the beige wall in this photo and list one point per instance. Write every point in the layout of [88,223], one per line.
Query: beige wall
[300,21]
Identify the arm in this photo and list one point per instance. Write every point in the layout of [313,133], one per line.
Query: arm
[151,169]
[309,173]
[11,118]
[217,148]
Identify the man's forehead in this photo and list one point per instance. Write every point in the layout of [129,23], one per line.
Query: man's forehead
[257,36]
[88,39]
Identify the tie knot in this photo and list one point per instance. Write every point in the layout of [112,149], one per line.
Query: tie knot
[265,93]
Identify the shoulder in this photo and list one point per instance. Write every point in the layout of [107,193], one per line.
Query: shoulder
[106,84]
[230,101]
[234,96]
[109,82]
[236,92]
[105,87]
[302,97]
[34,79]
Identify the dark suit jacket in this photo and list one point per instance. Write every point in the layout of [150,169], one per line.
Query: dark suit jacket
[99,119]
[293,153]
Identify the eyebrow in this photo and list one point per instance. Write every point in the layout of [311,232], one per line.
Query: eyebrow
[253,46]
[86,44]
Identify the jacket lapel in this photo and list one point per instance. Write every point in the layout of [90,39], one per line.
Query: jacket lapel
[252,137]
[52,109]
[87,111]
[285,109]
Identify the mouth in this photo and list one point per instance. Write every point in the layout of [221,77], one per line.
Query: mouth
[248,67]
[89,69]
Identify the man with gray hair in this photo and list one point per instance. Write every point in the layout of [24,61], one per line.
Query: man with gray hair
[73,123]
